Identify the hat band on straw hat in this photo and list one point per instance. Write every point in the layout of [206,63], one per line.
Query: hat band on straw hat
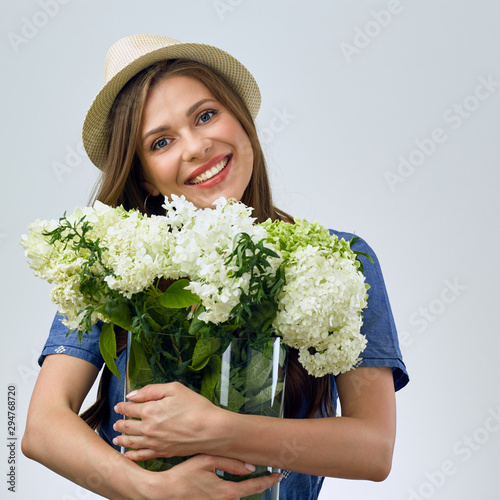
[132,54]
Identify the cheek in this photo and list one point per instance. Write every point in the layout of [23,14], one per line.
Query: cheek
[146,167]
[159,170]
[245,147]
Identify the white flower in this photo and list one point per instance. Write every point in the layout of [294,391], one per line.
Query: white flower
[138,252]
[320,305]
[204,238]
[339,356]
[320,308]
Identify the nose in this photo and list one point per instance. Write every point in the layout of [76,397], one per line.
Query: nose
[196,146]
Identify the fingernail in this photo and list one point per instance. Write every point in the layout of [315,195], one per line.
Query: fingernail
[131,394]
[115,441]
[116,409]
[250,467]
[280,477]
[114,426]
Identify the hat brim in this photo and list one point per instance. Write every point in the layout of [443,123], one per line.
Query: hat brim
[94,132]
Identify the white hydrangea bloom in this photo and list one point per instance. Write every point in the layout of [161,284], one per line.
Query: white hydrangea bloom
[40,254]
[138,249]
[320,307]
[319,310]
[339,356]
[204,238]
[60,265]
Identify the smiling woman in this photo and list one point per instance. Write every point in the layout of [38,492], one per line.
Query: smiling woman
[124,177]
[178,119]
[197,150]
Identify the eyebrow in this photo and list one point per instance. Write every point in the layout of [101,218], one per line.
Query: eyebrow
[196,105]
[164,128]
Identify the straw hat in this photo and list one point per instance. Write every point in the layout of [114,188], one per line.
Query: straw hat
[132,54]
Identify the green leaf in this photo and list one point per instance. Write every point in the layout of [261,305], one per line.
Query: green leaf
[197,324]
[368,256]
[203,351]
[235,400]
[107,346]
[139,369]
[118,313]
[262,316]
[156,327]
[177,297]
[211,376]
[257,372]
[264,396]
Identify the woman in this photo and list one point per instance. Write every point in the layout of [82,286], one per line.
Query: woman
[177,118]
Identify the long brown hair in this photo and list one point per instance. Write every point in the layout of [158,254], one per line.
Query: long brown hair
[121,184]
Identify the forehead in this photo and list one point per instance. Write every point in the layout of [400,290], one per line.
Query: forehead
[172,100]
[177,89]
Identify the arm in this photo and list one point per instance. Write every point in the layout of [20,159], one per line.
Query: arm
[58,438]
[359,444]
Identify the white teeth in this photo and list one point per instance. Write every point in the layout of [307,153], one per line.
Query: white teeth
[210,173]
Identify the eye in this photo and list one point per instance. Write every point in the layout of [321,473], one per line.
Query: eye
[161,143]
[206,116]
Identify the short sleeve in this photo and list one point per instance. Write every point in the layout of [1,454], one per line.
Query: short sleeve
[378,323]
[61,343]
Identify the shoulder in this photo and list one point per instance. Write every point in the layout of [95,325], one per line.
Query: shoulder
[378,300]
[62,341]
[360,245]
[378,321]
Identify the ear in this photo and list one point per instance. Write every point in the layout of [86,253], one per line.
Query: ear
[150,188]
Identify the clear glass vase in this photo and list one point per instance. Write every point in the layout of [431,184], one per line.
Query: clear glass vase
[232,373]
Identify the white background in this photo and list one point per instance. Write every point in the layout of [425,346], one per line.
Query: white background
[354,103]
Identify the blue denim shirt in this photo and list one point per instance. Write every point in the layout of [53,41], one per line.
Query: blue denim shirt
[382,350]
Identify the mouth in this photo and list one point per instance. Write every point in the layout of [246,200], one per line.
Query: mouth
[211,172]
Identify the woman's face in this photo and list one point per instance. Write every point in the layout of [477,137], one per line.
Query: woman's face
[189,144]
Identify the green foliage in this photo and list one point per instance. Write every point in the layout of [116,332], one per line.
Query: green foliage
[257,372]
[211,378]
[107,346]
[76,235]
[254,314]
[117,311]
[169,342]
[290,237]
[203,351]
[176,296]
[369,257]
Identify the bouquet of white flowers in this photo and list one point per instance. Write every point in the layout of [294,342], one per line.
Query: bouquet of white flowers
[220,271]
[205,295]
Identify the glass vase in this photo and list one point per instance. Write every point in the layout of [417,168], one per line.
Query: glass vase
[232,373]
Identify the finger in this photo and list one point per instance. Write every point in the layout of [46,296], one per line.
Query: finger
[231,465]
[258,485]
[154,392]
[131,410]
[136,442]
[145,454]
[129,426]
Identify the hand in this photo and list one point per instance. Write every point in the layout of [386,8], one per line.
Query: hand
[174,421]
[197,478]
